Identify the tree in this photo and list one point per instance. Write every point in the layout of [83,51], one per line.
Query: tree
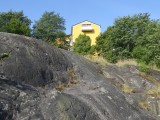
[49,27]
[82,45]
[132,37]
[15,22]
[62,42]
[120,39]
[147,47]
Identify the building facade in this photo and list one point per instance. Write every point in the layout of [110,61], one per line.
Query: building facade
[88,28]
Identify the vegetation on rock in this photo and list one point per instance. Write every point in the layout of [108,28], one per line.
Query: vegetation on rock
[131,37]
[28,77]
[4,55]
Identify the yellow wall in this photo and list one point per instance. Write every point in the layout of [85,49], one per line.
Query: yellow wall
[77,30]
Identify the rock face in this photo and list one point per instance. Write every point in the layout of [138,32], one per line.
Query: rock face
[31,61]
[30,70]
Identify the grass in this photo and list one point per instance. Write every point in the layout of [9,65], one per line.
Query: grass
[96,59]
[73,80]
[73,77]
[155,91]
[148,77]
[154,67]
[60,86]
[126,89]
[122,63]
[143,67]
[144,105]
[102,61]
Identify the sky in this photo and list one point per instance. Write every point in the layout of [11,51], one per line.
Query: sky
[102,12]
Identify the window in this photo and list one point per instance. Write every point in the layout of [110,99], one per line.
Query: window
[86,27]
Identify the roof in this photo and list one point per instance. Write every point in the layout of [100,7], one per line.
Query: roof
[85,21]
[82,22]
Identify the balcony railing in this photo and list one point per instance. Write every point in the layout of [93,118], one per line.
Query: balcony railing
[87,28]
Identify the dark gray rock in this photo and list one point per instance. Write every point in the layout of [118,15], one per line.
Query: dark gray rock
[155,74]
[18,101]
[30,70]
[32,61]
[127,75]
[130,76]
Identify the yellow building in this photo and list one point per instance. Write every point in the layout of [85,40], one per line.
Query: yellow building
[88,28]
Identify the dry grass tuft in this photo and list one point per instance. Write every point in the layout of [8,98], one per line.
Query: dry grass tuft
[154,67]
[96,59]
[122,63]
[73,77]
[60,86]
[126,88]
[148,77]
[155,91]
[73,80]
[144,105]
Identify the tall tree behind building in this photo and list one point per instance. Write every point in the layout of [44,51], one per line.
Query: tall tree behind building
[49,27]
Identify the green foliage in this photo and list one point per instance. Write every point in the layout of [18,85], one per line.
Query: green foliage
[4,55]
[143,67]
[93,49]
[15,22]
[157,61]
[131,37]
[49,27]
[139,53]
[64,44]
[60,42]
[82,45]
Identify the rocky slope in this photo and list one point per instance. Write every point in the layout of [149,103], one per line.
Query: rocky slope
[39,82]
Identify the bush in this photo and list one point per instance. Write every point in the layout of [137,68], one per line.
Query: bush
[131,37]
[157,61]
[143,67]
[93,49]
[82,45]
[110,57]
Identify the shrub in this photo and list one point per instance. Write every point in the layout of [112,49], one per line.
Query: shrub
[93,49]
[110,57]
[143,67]
[157,61]
[131,37]
[82,45]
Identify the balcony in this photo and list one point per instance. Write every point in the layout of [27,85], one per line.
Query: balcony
[87,27]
